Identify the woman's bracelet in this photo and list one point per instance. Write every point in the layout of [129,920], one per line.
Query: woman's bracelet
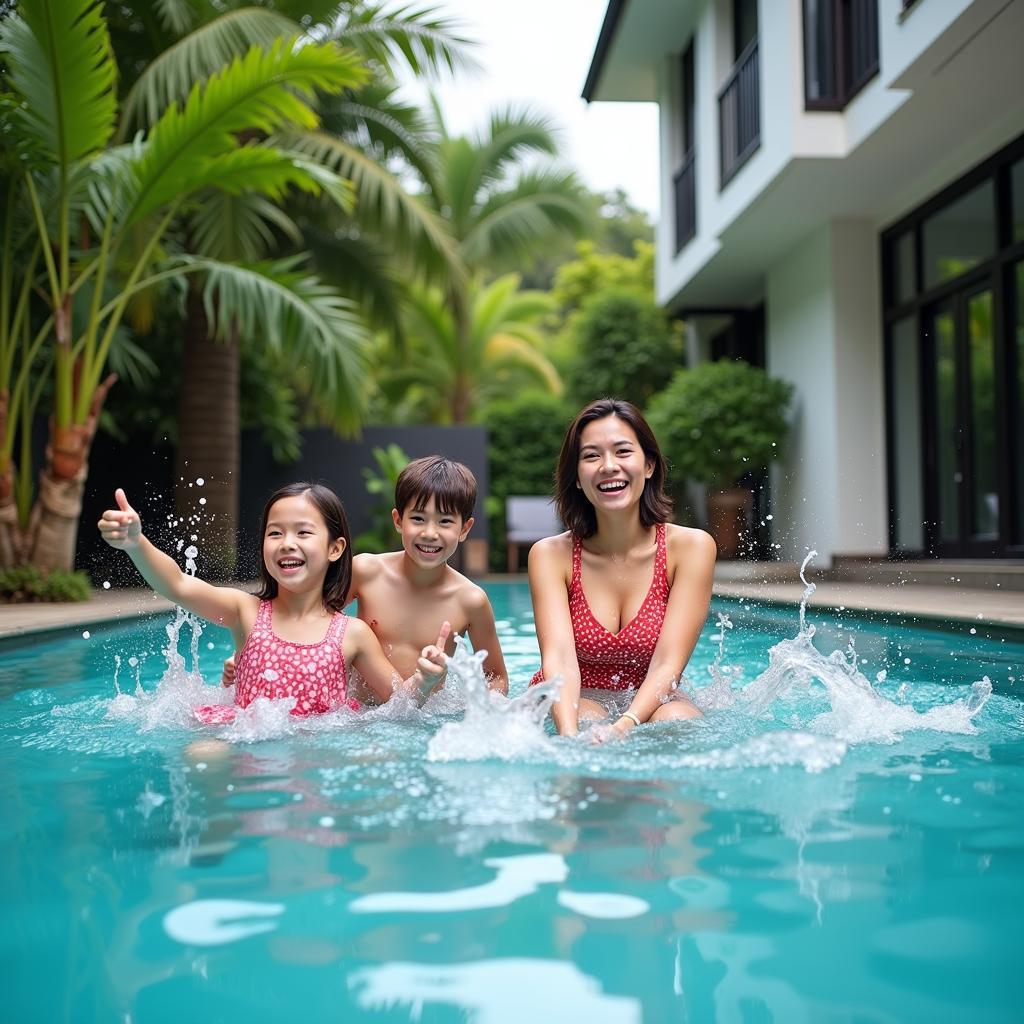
[630,716]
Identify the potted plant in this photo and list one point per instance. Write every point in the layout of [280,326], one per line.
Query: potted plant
[715,423]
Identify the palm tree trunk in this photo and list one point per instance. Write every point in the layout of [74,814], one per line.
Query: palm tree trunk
[208,440]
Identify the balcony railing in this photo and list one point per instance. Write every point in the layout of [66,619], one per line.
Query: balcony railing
[739,113]
[684,185]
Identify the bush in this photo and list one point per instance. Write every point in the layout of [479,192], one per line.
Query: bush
[381,484]
[26,583]
[524,439]
[624,348]
[720,420]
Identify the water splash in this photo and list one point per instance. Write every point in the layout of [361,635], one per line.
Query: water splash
[858,712]
[720,692]
[492,726]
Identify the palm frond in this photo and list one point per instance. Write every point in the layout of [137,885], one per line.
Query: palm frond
[382,204]
[176,16]
[540,203]
[362,269]
[425,42]
[200,54]
[263,91]
[60,62]
[293,310]
[511,350]
[513,134]
[224,226]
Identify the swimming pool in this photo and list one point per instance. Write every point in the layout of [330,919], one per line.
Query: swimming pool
[817,854]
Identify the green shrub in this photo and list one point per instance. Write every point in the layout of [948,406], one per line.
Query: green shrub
[381,535]
[524,437]
[25,583]
[720,420]
[625,348]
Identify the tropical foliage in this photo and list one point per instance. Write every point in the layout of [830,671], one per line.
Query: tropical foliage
[446,377]
[624,345]
[87,222]
[721,420]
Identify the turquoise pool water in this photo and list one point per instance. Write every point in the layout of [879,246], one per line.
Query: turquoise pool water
[820,853]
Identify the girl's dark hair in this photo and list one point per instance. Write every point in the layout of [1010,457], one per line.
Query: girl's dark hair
[574,509]
[339,573]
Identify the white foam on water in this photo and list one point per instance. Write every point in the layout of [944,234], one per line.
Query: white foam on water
[505,991]
[771,750]
[609,906]
[218,922]
[515,878]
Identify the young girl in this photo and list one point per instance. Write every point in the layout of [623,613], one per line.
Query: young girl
[621,597]
[294,639]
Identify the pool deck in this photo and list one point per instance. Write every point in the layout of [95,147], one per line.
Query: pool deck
[990,606]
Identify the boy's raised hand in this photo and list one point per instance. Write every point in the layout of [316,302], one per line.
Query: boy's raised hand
[121,527]
[432,663]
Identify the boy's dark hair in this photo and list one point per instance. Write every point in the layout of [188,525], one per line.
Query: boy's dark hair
[573,507]
[339,572]
[451,485]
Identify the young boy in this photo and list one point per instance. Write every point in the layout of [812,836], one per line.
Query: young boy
[405,596]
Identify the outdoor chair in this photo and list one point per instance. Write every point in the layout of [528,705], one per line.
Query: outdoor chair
[528,518]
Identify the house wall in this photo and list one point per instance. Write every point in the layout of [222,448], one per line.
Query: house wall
[823,335]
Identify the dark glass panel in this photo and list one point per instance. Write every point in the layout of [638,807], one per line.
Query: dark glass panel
[947,433]
[959,236]
[905,416]
[984,446]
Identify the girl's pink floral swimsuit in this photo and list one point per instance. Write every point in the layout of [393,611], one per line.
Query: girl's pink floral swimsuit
[616,661]
[313,674]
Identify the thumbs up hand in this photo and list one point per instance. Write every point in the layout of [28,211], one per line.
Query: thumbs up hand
[121,527]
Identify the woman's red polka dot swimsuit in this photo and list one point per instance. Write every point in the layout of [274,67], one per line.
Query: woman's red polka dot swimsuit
[616,661]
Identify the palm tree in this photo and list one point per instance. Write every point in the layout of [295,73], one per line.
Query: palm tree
[361,129]
[503,355]
[98,233]
[498,206]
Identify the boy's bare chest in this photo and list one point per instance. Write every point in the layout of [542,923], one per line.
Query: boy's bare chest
[409,619]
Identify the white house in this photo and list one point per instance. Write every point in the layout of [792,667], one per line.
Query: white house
[842,187]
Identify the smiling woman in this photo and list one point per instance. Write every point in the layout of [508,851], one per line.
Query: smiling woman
[620,597]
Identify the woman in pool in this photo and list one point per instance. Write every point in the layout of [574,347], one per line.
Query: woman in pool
[621,597]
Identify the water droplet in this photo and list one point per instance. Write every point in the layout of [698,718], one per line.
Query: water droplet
[191,551]
[200,481]
[906,661]
[86,634]
[202,501]
[973,631]
[106,584]
[769,518]
[326,821]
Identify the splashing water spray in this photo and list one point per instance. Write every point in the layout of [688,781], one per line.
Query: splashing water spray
[492,726]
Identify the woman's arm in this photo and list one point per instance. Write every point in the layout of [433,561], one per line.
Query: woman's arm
[483,634]
[363,650]
[692,553]
[549,590]
[122,528]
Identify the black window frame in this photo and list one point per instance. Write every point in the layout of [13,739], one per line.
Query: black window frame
[847,85]
[684,181]
[995,273]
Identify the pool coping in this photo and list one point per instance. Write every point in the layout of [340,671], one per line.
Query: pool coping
[999,614]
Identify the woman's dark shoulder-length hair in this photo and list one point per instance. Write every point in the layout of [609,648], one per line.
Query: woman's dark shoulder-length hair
[339,573]
[574,509]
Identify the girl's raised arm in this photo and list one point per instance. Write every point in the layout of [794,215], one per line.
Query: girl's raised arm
[122,528]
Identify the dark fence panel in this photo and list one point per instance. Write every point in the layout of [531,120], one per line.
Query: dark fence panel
[146,472]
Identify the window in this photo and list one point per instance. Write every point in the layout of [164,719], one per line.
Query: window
[840,50]
[684,180]
[959,236]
